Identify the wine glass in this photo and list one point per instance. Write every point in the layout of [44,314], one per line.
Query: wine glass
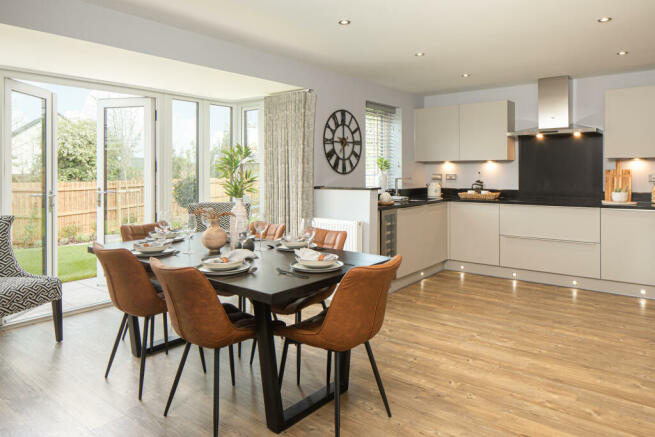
[187,230]
[307,231]
[260,227]
[163,222]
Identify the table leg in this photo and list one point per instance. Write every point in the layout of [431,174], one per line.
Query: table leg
[268,368]
[135,335]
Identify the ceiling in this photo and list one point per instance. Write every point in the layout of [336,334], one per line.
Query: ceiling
[44,52]
[499,42]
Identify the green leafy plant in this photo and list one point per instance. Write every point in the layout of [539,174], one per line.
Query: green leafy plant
[235,167]
[620,189]
[383,164]
[185,191]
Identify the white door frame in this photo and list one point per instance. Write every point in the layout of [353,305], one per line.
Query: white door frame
[50,163]
[149,158]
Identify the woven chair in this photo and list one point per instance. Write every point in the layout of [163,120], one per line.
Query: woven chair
[224,222]
[20,290]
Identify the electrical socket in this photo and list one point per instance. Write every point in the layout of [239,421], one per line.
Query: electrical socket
[437,176]
[451,177]
[651,178]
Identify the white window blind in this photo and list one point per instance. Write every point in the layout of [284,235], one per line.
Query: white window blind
[383,138]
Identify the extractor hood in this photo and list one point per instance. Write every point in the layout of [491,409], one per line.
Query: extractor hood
[554,107]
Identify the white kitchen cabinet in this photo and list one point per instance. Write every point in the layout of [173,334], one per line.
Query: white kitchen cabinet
[421,237]
[628,246]
[436,133]
[629,117]
[551,222]
[483,131]
[473,232]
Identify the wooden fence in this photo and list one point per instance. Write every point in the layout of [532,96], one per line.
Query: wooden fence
[77,208]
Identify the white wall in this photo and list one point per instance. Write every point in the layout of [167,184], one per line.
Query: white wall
[588,96]
[77,19]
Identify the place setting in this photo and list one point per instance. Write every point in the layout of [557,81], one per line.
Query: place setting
[156,248]
[230,263]
[311,261]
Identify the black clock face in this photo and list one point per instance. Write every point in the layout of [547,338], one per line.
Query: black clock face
[342,141]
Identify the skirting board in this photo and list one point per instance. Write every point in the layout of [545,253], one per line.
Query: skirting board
[403,282]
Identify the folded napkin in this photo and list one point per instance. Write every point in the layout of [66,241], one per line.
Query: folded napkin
[293,238]
[236,255]
[153,243]
[312,255]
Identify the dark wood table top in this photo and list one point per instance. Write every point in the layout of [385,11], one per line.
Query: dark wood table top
[265,285]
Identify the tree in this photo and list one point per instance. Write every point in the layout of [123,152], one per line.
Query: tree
[76,150]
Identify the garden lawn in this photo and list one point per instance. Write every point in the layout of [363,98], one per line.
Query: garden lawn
[74,261]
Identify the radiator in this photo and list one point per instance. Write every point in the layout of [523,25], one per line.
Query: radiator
[354,229]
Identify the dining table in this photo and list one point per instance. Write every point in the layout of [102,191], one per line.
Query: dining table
[264,286]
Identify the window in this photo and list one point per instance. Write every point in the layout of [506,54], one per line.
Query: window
[220,138]
[185,159]
[251,126]
[383,139]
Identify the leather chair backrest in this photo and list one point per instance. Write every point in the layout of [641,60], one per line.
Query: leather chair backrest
[272,231]
[330,239]
[358,306]
[139,232]
[196,313]
[128,282]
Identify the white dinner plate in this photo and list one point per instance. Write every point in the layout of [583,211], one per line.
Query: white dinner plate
[143,255]
[316,264]
[284,248]
[221,266]
[209,272]
[337,265]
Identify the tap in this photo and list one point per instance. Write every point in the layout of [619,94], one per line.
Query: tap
[395,183]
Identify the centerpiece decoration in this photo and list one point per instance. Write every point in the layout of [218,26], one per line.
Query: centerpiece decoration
[214,236]
[235,167]
[383,166]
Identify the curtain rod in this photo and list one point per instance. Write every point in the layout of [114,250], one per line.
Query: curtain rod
[291,91]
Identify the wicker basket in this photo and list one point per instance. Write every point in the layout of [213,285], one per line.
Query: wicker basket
[478,196]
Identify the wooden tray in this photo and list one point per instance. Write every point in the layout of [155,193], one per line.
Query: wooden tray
[386,203]
[612,203]
[478,196]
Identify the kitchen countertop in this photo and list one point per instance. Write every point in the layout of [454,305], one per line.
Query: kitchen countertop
[572,202]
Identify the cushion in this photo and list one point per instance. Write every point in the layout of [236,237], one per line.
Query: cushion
[22,293]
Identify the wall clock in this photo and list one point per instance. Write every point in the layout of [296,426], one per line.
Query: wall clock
[342,141]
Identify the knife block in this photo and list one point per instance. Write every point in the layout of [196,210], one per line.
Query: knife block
[618,178]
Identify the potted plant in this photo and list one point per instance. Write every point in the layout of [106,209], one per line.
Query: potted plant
[235,168]
[620,194]
[383,165]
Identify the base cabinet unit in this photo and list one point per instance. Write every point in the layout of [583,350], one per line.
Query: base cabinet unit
[421,237]
[473,232]
[628,246]
[551,222]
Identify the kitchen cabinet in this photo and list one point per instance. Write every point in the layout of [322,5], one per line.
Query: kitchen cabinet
[628,246]
[436,134]
[629,116]
[421,237]
[473,234]
[551,222]
[483,131]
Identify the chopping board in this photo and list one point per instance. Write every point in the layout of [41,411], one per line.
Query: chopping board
[618,178]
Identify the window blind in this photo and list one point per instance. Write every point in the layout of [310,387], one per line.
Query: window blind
[383,138]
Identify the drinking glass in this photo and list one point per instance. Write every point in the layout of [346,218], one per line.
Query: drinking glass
[187,230]
[260,227]
[307,231]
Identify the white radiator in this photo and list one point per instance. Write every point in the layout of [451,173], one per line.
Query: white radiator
[354,229]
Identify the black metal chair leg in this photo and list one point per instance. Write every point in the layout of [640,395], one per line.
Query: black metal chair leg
[58,319]
[231,349]
[152,332]
[242,304]
[328,368]
[177,377]
[216,387]
[202,360]
[371,358]
[252,351]
[298,351]
[118,338]
[143,354]
[165,316]
[283,362]
[124,334]
[337,393]
[323,305]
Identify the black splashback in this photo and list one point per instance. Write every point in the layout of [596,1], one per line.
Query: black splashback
[561,166]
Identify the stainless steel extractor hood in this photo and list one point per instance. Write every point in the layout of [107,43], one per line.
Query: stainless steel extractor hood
[554,107]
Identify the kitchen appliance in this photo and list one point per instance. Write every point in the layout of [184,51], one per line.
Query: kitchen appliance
[434,190]
[388,232]
[554,109]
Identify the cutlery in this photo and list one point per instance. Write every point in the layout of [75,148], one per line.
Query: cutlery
[252,269]
[270,246]
[291,273]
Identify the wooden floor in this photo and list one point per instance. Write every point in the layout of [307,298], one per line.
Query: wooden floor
[459,354]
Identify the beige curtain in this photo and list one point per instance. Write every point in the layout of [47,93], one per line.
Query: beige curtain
[289,157]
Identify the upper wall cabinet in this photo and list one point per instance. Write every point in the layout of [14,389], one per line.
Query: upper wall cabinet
[483,131]
[436,133]
[629,117]
[471,132]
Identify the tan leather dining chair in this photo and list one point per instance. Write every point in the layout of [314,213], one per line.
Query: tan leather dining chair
[138,232]
[272,232]
[199,318]
[354,318]
[132,293]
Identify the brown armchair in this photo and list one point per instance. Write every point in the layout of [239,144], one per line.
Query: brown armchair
[199,318]
[138,232]
[272,232]
[355,317]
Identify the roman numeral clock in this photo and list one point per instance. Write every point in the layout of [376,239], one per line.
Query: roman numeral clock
[342,141]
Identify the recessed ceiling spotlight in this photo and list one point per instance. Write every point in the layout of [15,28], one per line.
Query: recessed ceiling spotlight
[622,52]
[604,19]
[419,54]
[344,22]
[466,74]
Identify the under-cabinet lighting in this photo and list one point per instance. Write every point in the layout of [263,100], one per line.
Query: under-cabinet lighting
[447,166]
[540,136]
[643,292]
[577,134]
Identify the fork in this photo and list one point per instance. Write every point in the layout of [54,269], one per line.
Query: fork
[291,273]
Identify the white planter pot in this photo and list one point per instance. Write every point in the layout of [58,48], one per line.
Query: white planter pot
[382,181]
[238,222]
[620,197]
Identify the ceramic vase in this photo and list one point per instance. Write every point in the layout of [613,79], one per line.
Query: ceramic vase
[382,181]
[214,237]
[239,219]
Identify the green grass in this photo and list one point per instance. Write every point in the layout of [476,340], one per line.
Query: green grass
[74,261]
